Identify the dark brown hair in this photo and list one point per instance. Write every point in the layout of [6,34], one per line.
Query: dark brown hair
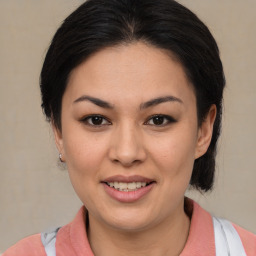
[165,24]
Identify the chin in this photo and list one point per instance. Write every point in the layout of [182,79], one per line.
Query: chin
[131,220]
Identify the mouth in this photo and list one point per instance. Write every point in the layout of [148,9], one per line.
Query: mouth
[128,183]
[128,186]
[128,189]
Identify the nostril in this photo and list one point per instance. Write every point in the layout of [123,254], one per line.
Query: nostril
[127,163]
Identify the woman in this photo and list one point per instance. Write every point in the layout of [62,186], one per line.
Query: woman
[133,90]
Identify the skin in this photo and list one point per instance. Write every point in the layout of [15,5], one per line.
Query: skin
[129,142]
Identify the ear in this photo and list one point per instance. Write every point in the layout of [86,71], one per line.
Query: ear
[58,141]
[205,132]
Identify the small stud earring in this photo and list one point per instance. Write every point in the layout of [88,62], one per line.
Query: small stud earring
[60,157]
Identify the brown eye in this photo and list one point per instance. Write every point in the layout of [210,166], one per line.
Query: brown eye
[160,120]
[96,120]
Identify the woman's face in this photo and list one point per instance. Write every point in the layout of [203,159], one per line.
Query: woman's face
[130,135]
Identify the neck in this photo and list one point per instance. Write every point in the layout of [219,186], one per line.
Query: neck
[166,238]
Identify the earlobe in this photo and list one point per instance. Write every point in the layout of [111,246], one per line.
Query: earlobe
[58,141]
[205,132]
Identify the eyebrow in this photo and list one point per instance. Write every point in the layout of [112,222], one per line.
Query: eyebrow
[147,104]
[160,100]
[96,101]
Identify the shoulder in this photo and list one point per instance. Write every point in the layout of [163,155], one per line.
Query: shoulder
[202,238]
[70,239]
[29,246]
[248,240]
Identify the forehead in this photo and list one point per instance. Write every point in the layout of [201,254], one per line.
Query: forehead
[136,70]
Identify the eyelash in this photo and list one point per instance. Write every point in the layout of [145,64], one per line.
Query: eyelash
[87,118]
[168,120]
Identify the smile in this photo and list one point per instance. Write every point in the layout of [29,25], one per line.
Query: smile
[128,189]
[127,186]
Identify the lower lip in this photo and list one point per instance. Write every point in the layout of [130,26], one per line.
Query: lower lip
[128,197]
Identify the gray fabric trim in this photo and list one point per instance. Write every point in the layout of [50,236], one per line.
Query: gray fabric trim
[48,240]
[227,240]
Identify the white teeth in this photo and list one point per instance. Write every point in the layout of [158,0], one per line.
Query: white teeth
[143,184]
[123,186]
[138,184]
[130,186]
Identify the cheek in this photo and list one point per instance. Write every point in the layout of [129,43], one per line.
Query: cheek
[174,154]
[84,159]
[84,153]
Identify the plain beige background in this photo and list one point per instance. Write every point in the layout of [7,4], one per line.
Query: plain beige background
[35,192]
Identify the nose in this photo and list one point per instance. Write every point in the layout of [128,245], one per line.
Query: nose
[127,146]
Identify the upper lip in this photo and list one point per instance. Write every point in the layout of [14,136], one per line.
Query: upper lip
[127,179]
